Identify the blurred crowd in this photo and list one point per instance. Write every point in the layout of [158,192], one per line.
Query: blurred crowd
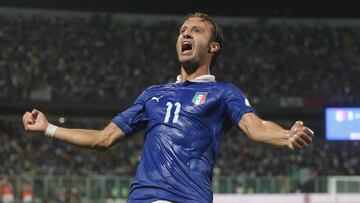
[103,59]
[25,153]
[33,154]
[99,58]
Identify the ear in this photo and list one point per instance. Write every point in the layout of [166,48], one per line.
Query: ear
[214,47]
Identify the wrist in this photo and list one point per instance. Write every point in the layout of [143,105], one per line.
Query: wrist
[50,130]
[290,141]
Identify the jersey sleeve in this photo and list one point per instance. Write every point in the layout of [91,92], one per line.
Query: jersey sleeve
[236,104]
[134,118]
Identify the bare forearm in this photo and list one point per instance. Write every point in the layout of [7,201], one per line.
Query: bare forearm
[264,131]
[35,121]
[298,137]
[82,137]
[272,134]
[94,139]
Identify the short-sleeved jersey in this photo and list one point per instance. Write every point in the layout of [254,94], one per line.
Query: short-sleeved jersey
[185,123]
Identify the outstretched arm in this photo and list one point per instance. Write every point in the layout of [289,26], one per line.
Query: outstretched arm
[35,121]
[298,137]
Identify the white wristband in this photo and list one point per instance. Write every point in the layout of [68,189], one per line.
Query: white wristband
[50,130]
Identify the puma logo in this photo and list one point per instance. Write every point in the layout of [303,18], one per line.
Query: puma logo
[156,98]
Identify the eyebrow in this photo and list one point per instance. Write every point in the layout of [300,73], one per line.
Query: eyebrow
[202,28]
[195,26]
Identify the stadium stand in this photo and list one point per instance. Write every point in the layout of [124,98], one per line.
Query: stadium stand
[92,59]
[102,59]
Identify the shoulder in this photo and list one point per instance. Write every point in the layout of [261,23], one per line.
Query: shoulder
[226,85]
[228,88]
[153,89]
[158,87]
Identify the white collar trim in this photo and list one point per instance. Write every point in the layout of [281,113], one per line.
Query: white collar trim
[202,78]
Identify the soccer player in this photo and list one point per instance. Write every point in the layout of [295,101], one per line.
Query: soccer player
[185,123]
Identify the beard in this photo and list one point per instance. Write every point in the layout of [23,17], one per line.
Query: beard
[190,66]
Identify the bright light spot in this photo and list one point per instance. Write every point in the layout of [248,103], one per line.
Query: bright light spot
[62,120]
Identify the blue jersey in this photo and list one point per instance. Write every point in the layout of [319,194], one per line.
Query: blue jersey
[185,123]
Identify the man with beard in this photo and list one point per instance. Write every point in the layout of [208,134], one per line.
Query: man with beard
[185,123]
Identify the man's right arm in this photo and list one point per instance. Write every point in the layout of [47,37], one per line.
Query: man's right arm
[102,140]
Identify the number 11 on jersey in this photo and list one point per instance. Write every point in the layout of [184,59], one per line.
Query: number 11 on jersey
[168,112]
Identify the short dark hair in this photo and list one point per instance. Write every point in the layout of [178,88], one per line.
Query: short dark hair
[216,36]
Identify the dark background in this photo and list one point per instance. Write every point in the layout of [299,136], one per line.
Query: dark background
[240,8]
[258,8]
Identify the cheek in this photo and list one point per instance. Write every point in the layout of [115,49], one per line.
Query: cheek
[202,45]
[178,45]
[178,41]
[202,41]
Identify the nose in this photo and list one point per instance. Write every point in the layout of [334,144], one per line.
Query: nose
[186,34]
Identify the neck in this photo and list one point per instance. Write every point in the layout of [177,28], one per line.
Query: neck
[192,74]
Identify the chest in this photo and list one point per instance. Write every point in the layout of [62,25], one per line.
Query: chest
[182,104]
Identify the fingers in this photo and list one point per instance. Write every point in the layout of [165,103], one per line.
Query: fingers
[297,125]
[301,136]
[35,113]
[308,131]
[32,121]
[301,140]
[28,119]
[294,144]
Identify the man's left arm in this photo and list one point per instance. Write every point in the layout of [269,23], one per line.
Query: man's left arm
[298,137]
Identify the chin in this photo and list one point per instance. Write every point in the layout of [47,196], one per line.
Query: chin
[187,59]
[189,65]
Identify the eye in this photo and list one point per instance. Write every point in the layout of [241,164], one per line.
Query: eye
[197,30]
[182,30]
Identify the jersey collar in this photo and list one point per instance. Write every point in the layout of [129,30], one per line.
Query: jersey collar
[202,78]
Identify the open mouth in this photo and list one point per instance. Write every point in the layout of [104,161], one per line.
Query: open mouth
[186,47]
